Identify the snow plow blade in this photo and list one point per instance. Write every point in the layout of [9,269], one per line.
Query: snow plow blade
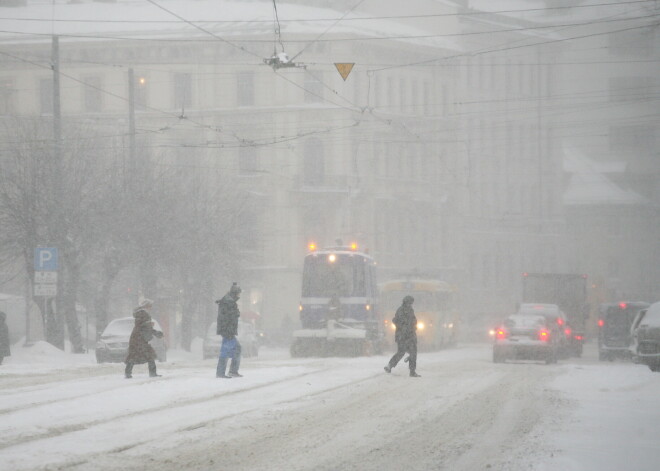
[338,339]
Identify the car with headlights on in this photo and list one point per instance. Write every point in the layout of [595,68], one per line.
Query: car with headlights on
[526,337]
[247,337]
[113,343]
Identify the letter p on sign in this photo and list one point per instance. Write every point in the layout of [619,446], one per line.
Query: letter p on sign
[45,259]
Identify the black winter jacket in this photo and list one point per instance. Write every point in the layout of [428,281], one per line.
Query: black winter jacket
[406,323]
[228,315]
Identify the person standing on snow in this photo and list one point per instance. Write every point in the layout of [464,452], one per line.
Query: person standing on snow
[4,337]
[405,336]
[227,327]
[139,350]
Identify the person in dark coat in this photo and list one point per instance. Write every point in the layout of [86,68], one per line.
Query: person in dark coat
[139,350]
[228,315]
[4,337]
[405,336]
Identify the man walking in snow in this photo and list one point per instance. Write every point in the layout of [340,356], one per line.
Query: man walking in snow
[227,327]
[405,336]
[139,350]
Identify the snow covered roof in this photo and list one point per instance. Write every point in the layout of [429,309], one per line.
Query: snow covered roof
[204,19]
[588,184]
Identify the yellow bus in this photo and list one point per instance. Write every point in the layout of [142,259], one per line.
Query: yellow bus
[435,308]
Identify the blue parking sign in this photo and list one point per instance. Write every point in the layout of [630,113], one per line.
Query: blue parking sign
[45,259]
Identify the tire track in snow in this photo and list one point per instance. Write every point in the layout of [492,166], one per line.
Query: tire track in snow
[57,431]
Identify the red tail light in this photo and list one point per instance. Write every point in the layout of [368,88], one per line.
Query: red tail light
[544,335]
[567,331]
[601,322]
[623,305]
[579,337]
[560,321]
[501,334]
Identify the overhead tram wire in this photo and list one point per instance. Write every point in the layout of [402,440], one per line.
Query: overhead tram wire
[241,140]
[114,95]
[329,28]
[319,39]
[278,29]
[363,18]
[357,108]
[242,49]
[489,51]
[555,31]
[166,113]
[204,30]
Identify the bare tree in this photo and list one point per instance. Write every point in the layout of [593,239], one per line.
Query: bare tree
[45,200]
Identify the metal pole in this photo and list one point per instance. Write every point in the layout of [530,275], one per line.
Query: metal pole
[131,116]
[57,110]
[28,296]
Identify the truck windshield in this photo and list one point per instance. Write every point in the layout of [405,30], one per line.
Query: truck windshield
[343,277]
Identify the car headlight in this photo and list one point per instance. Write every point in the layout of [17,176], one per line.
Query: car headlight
[420,326]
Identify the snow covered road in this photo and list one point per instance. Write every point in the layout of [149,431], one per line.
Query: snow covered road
[465,413]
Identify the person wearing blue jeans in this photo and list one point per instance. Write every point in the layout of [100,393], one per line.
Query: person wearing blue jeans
[228,315]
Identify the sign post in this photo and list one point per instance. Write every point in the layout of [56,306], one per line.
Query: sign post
[45,275]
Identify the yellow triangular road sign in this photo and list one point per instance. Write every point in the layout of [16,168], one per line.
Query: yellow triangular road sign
[344,69]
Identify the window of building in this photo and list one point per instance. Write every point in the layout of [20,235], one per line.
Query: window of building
[313,87]
[624,89]
[46,96]
[390,92]
[7,96]
[247,159]
[314,162]
[250,226]
[182,91]
[245,88]
[92,95]
[376,90]
[636,43]
[638,139]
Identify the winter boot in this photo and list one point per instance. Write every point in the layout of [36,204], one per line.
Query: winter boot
[234,366]
[413,374]
[152,370]
[222,367]
[128,371]
[388,369]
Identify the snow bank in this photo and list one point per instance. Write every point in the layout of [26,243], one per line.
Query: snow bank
[612,421]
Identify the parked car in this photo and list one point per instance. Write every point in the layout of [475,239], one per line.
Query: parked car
[247,337]
[113,344]
[648,338]
[633,334]
[555,318]
[526,337]
[615,329]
